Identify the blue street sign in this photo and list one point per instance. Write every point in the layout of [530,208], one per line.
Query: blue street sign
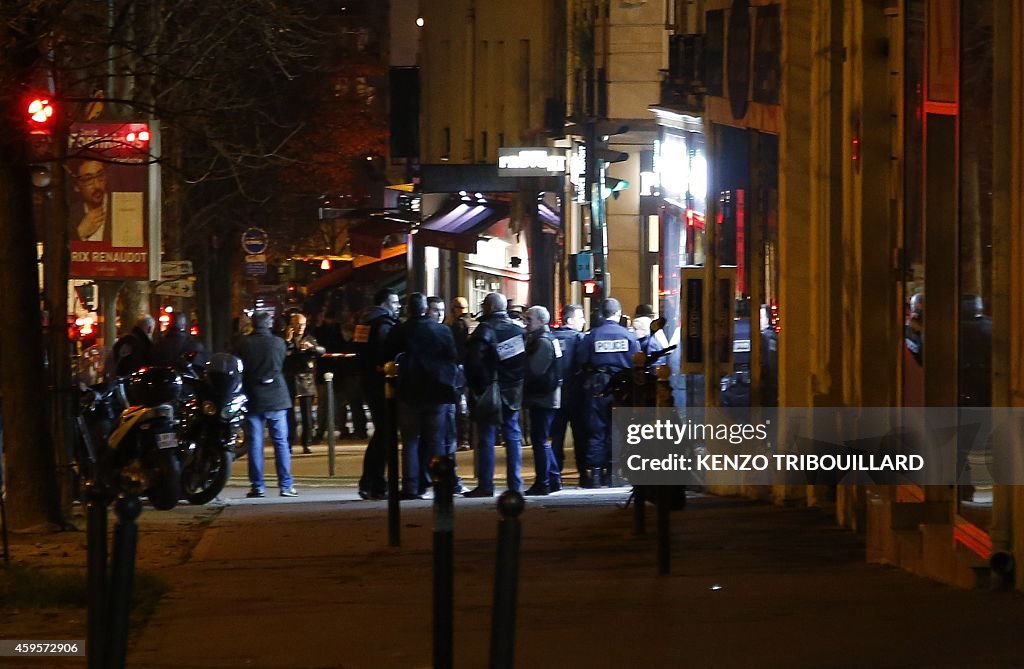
[254,241]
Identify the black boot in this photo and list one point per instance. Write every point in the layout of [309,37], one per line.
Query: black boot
[585,481]
[596,481]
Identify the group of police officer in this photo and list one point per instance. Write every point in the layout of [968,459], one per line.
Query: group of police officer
[558,376]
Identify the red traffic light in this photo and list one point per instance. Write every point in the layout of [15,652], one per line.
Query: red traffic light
[40,113]
[590,287]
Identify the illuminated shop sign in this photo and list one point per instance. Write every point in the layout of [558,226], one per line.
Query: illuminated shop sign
[578,171]
[530,162]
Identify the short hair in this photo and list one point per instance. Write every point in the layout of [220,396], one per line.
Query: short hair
[382,295]
[262,319]
[610,306]
[569,311]
[644,310]
[434,300]
[145,322]
[541,313]
[416,304]
[496,301]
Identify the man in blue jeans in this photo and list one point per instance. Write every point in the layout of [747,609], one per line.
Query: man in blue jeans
[263,356]
[496,353]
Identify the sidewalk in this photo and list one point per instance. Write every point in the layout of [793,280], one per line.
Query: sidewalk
[310,582]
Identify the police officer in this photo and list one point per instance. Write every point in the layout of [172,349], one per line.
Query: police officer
[569,413]
[496,354]
[608,348]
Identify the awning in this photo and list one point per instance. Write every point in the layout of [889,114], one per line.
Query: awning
[549,216]
[363,268]
[457,225]
[367,237]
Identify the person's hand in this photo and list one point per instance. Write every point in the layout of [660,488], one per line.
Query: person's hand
[90,223]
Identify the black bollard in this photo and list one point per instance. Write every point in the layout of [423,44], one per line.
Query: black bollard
[443,470]
[394,511]
[329,419]
[506,581]
[639,512]
[122,573]
[664,497]
[96,574]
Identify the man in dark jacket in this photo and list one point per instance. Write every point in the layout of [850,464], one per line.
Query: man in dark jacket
[496,352]
[608,348]
[263,354]
[372,353]
[570,411]
[134,350]
[173,345]
[427,378]
[541,396]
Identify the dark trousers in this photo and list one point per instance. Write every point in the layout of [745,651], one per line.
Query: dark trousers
[376,458]
[568,416]
[599,431]
[306,413]
[548,473]
[421,441]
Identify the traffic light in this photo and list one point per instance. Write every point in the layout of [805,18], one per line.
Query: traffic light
[39,114]
[590,287]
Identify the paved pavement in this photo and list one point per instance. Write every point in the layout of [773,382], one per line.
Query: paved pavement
[311,583]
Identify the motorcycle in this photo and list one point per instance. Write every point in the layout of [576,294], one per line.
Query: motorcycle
[127,439]
[210,421]
[638,387]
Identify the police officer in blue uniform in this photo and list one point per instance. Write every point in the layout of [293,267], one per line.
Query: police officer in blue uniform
[608,348]
[570,413]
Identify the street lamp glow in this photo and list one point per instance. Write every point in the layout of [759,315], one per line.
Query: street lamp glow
[419,21]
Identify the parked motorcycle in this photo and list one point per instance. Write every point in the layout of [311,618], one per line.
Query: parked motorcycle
[127,440]
[638,387]
[210,421]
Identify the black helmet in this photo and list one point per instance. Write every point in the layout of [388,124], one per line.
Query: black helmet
[151,386]
[224,373]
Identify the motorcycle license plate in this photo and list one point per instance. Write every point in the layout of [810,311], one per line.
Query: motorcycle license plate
[166,440]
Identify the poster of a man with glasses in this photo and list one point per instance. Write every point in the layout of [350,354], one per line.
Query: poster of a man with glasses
[99,214]
[107,186]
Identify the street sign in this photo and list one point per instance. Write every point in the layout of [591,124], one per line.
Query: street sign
[255,264]
[178,288]
[170,269]
[254,241]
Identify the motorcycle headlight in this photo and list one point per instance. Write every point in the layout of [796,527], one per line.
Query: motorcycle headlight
[209,408]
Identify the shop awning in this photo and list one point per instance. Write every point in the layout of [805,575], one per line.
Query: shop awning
[549,216]
[367,237]
[457,225]
[392,261]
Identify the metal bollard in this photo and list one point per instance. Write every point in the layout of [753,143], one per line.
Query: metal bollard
[394,511]
[664,529]
[506,581]
[443,470]
[96,574]
[122,574]
[329,421]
